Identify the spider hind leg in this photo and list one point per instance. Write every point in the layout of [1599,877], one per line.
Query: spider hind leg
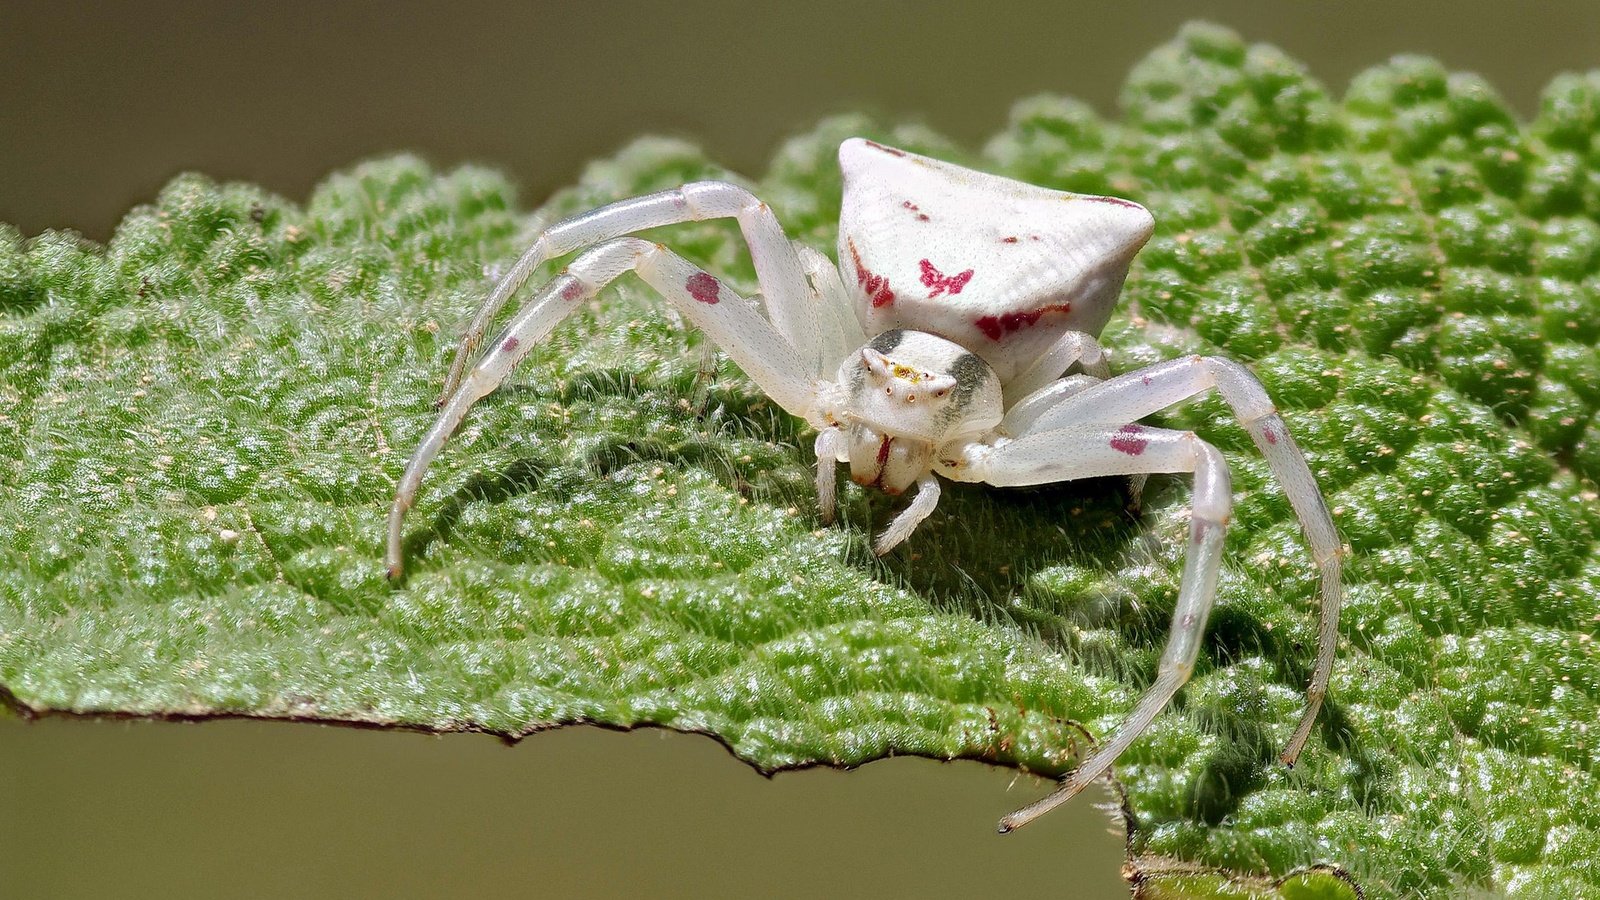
[1087,451]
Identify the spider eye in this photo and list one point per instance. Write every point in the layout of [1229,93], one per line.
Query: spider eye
[941,392]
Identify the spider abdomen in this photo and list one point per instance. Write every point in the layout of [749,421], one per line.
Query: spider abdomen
[997,266]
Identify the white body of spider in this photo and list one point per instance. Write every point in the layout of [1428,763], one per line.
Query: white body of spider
[937,347]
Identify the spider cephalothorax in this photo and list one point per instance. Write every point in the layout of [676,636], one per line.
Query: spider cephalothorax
[911,393]
[938,346]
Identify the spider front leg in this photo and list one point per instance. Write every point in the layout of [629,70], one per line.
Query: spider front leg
[729,320]
[1139,393]
[1074,347]
[1068,454]
[831,446]
[778,267]
[1021,415]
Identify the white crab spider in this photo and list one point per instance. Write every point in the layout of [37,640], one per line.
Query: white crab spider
[937,345]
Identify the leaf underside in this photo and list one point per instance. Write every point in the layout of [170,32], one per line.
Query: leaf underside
[202,423]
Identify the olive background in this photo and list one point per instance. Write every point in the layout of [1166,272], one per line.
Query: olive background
[100,104]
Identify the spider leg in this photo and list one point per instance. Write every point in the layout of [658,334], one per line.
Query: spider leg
[1136,485]
[1139,393]
[1072,347]
[778,268]
[1089,451]
[1022,414]
[734,323]
[831,445]
[920,507]
[839,331]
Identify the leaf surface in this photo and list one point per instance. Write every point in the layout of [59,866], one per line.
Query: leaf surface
[201,425]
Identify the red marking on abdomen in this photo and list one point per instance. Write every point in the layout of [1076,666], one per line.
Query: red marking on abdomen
[1009,240]
[703,287]
[510,344]
[921,216]
[889,150]
[876,286]
[940,282]
[1126,440]
[996,327]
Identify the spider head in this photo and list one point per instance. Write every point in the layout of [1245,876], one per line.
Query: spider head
[911,392]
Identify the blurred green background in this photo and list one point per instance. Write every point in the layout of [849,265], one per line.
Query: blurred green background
[101,104]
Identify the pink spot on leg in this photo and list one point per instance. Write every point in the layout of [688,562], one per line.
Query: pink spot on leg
[703,287]
[510,345]
[1270,434]
[572,291]
[942,283]
[1127,440]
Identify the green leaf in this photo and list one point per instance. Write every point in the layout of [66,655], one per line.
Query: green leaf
[201,425]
